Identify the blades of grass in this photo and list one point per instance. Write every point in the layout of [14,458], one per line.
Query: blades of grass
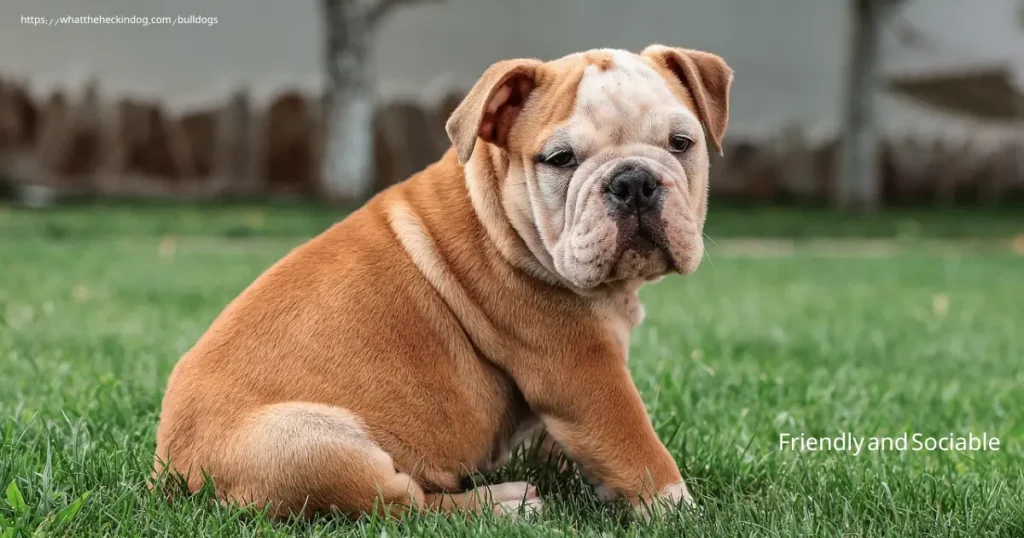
[70,512]
[15,499]
[46,477]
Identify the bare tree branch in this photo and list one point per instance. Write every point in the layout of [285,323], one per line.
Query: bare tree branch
[380,9]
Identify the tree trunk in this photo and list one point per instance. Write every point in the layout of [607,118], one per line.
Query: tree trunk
[347,165]
[859,186]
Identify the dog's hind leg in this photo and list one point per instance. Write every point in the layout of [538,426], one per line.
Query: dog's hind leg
[306,458]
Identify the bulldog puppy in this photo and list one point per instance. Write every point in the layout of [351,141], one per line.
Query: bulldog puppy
[456,314]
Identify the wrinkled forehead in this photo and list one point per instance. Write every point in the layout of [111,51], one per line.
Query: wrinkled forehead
[621,97]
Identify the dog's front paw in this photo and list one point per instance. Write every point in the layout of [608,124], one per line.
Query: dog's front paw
[670,498]
[515,499]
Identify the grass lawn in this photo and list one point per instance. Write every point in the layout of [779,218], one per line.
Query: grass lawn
[288,219]
[96,305]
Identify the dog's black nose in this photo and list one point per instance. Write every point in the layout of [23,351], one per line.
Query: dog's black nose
[634,189]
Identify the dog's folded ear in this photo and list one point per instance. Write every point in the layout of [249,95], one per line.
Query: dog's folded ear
[708,78]
[489,109]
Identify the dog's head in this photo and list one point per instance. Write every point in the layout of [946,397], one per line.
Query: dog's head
[602,156]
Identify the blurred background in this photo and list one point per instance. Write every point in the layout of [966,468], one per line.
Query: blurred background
[847,105]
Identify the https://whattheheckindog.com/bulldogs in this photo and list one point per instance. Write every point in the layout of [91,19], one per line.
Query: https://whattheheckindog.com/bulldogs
[485,301]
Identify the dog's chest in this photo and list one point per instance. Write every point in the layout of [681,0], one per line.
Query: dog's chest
[621,312]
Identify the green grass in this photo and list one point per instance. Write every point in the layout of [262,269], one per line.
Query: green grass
[918,340]
[290,219]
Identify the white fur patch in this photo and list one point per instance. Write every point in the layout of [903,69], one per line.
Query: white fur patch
[627,99]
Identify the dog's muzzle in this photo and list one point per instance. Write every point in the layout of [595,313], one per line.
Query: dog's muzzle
[634,198]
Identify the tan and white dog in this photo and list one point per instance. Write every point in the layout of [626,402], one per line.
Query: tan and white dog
[455,315]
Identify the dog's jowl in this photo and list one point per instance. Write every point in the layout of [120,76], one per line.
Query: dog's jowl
[460,313]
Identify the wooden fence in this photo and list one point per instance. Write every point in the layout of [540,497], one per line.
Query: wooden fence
[86,144]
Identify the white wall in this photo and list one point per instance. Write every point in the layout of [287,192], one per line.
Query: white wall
[789,55]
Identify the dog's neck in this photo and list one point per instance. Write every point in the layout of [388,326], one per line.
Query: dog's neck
[518,240]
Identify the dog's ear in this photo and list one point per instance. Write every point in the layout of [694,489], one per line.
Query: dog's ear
[489,109]
[708,78]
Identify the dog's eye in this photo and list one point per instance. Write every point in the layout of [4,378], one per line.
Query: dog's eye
[680,143]
[560,159]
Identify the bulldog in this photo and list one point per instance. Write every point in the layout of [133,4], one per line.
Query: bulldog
[458,314]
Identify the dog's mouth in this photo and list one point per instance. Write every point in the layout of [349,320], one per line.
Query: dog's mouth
[643,250]
[652,238]
[646,233]
[639,245]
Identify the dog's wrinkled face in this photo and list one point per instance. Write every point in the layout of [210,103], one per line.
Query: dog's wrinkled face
[607,166]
